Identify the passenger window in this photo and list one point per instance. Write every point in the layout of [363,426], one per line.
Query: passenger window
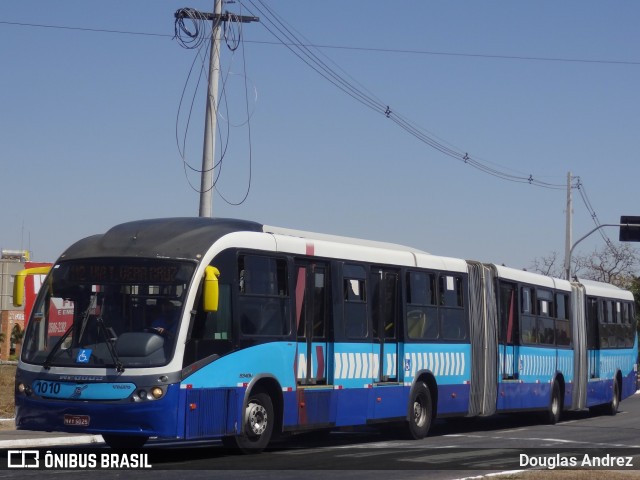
[355,302]
[545,303]
[450,291]
[529,333]
[563,334]
[384,307]
[561,306]
[421,288]
[527,302]
[263,301]
[453,325]
[422,314]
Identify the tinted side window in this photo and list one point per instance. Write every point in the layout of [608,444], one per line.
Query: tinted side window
[422,312]
[263,302]
[453,325]
[355,302]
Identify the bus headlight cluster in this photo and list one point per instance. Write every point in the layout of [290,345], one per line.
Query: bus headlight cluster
[153,393]
[24,389]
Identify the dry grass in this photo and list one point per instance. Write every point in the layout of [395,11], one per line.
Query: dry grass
[7,376]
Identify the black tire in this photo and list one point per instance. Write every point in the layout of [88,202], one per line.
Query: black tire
[555,406]
[420,412]
[257,426]
[124,442]
[611,408]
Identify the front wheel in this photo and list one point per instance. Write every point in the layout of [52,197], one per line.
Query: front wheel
[420,412]
[258,425]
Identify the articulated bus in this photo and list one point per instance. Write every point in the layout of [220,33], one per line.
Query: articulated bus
[198,328]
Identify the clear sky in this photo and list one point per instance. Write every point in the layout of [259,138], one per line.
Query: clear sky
[88,121]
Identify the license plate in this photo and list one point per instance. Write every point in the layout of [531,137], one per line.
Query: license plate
[77,420]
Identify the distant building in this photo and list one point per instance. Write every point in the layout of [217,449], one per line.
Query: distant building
[11,262]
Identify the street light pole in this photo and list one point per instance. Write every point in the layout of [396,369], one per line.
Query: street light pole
[568,231]
[622,225]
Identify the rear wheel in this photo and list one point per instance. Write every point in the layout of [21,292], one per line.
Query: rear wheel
[420,412]
[258,425]
[612,407]
[555,407]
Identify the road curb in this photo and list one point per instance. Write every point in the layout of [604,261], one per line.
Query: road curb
[51,441]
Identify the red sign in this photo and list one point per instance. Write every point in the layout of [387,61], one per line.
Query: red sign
[32,286]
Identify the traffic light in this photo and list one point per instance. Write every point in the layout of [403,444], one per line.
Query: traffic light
[629,229]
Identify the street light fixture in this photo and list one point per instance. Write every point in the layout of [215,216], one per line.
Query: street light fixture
[629,232]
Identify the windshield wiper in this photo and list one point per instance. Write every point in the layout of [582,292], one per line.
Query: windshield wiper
[56,347]
[85,319]
[110,338]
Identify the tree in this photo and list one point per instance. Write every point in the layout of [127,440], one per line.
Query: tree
[614,264]
[17,334]
[550,265]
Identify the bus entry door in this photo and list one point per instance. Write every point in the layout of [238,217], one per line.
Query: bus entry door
[313,362]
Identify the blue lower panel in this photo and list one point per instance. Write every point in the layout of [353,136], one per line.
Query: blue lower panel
[453,399]
[629,385]
[389,401]
[352,406]
[599,392]
[210,412]
[316,407]
[523,396]
[152,418]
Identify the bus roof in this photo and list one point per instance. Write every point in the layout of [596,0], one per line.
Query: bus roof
[600,289]
[182,237]
[523,276]
[192,237]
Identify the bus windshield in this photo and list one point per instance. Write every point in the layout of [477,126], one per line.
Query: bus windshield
[108,313]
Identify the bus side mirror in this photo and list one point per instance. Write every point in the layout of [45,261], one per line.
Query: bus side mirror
[20,278]
[211,290]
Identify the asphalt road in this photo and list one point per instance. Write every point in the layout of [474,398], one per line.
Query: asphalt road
[454,449]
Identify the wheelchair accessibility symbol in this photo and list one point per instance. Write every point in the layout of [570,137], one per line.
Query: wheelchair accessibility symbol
[83,355]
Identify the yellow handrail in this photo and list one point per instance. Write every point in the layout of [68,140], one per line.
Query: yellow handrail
[18,283]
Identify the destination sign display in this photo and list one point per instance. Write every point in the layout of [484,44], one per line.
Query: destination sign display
[154,273]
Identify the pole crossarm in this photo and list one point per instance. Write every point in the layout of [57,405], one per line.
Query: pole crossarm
[223,17]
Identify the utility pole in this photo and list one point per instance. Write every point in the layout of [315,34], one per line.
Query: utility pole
[210,126]
[568,231]
[210,122]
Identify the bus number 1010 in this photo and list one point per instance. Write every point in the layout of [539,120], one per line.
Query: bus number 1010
[42,388]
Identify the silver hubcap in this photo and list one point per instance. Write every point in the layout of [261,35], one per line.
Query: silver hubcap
[419,413]
[256,418]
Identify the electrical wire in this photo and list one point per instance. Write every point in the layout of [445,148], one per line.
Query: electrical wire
[188,31]
[348,47]
[587,203]
[299,47]
[196,33]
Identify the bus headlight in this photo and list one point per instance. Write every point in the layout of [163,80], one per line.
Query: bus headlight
[24,389]
[156,393]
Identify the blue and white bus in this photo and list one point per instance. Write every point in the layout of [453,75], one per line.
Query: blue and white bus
[197,328]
